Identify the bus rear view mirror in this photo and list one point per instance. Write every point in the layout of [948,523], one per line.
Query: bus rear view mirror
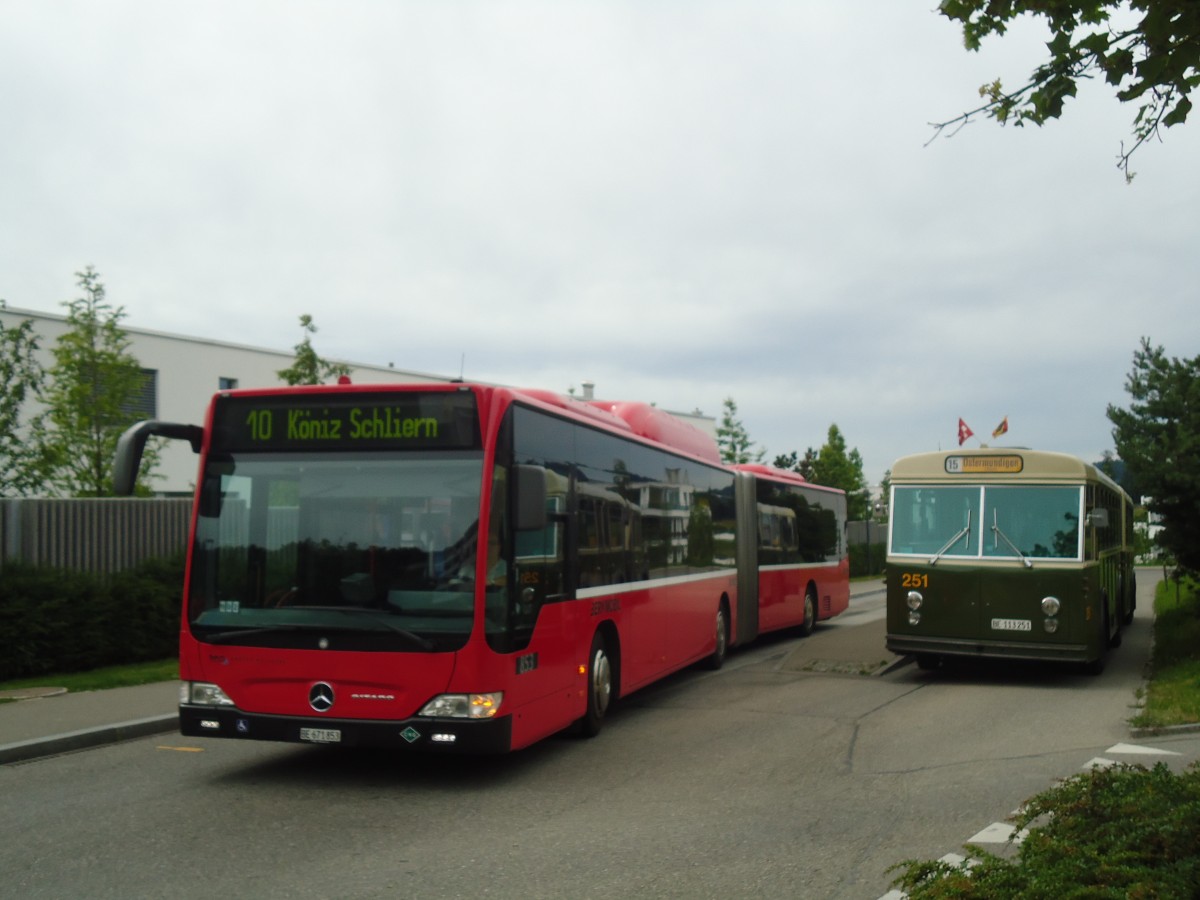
[132,443]
[530,492]
[1098,518]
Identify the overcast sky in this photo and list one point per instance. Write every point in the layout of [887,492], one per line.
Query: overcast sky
[679,201]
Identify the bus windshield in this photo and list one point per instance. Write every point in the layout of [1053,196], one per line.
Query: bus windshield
[994,522]
[375,550]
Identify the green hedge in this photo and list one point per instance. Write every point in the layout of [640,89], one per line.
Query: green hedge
[1122,832]
[858,559]
[55,620]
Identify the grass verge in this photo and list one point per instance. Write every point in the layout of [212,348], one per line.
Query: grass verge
[1173,690]
[101,679]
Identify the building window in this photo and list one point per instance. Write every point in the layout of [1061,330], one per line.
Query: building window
[143,402]
[226,384]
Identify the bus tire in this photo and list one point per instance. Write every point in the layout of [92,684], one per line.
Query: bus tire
[1096,666]
[1114,639]
[810,612]
[1129,598]
[717,659]
[599,687]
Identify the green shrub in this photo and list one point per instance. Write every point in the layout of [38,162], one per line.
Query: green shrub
[1120,832]
[54,620]
[861,555]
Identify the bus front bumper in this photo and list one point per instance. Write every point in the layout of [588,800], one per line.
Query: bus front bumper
[415,734]
[905,644]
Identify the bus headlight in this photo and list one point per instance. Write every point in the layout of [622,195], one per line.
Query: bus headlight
[463,706]
[200,693]
[1051,626]
[915,599]
[1051,606]
[914,618]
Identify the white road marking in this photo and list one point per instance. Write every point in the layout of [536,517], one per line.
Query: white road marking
[1136,749]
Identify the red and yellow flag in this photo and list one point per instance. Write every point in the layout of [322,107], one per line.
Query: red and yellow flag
[1002,428]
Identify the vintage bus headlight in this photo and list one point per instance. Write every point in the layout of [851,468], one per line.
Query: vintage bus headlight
[915,599]
[463,706]
[199,693]
[1051,606]
[914,618]
[1051,626]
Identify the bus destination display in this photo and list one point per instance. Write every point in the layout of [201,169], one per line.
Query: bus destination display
[399,421]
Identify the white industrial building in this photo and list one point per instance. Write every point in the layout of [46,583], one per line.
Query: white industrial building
[182,373]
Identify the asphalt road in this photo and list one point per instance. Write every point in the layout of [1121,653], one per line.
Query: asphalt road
[770,778]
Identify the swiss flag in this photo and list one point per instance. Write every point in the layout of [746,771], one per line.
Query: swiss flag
[963,432]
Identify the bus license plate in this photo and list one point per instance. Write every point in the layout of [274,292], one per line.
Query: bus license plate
[1012,625]
[321,735]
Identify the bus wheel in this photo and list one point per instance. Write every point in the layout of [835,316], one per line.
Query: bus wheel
[717,659]
[599,688]
[810,612]
[1130,597]
[1096,666]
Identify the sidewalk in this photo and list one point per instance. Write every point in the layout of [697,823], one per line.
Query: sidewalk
[46,725]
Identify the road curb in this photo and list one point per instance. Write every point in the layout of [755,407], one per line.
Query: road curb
[1165,730]
[23,751]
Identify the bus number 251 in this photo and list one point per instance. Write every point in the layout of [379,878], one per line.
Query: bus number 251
[914,580]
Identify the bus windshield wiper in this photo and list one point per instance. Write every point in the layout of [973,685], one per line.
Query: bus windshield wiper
[966,530]
[998,533]
[222,637]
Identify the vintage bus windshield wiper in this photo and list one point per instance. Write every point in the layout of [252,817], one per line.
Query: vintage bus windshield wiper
[1017,550]
[966,530]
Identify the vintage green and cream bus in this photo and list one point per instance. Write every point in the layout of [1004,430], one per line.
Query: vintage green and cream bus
[1009,553]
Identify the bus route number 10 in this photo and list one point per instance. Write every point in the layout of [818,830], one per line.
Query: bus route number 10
[260,422]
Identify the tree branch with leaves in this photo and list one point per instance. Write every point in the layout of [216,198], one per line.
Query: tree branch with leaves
[308,367]
[21,381]
[1156,62]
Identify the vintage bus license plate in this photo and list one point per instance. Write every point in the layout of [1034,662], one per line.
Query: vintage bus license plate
[1012,625]
[321,735]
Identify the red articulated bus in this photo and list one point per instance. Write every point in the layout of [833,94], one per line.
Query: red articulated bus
[470,568]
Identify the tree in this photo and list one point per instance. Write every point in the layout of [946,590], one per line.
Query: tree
[1155,62]
[733,440]
[793,463]
[92,392]
[22,378]
[885,492]
[1158,437]
[839,468]
[308,367]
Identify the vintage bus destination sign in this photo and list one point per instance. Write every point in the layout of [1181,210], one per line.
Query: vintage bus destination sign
[1009,464]
[398,421]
